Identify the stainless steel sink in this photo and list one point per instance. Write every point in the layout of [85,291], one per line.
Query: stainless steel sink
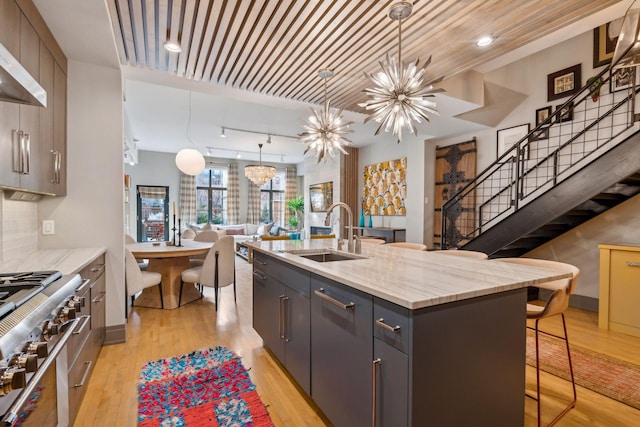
[324,255]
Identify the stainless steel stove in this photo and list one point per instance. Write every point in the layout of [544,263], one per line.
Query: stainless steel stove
[38,314]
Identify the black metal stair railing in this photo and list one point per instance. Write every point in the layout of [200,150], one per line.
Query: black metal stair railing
[589,124]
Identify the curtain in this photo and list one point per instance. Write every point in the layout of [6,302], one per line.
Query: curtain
[188,198]
[253,207]
[233,195]
[290,192]
[152,192]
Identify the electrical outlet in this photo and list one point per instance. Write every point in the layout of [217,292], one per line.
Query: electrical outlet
[48,226]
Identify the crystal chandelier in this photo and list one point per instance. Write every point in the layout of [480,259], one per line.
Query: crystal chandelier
[399,97]
[324,130]
[259,174]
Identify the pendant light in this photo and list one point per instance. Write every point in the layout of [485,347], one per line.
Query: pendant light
[324,129]
[399,98]
[627,53]
[189,160]
[259,174]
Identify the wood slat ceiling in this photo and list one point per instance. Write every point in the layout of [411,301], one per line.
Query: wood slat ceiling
[276,47]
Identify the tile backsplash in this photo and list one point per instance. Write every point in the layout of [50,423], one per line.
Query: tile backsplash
[18,228]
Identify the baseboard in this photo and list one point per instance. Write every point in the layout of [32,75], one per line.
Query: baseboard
[576,301]
[115,334]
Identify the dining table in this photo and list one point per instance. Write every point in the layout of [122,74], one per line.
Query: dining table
[170,261]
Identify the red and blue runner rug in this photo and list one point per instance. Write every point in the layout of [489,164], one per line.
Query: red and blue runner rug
[207,387]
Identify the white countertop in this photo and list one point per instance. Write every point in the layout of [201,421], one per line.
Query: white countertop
[410,278]
[67,261]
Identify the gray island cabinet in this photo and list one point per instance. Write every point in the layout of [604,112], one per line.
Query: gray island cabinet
[360,356]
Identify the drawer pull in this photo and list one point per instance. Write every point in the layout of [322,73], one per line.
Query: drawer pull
[259,276]
[87,369]
[633,264]
[85,319]
[374,389]
[321,294]
[259,261]
[81,289]
[100,267]
[99,298]
[380,322]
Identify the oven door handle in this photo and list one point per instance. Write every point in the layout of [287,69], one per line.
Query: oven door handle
[11,417]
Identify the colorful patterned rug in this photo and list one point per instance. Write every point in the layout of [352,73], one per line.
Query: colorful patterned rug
[208,387]
[598,372]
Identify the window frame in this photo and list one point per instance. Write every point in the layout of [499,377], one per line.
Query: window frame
[210,190]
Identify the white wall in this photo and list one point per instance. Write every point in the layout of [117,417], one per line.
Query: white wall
[413,148]
[316,173]
[18,228]
[91,215]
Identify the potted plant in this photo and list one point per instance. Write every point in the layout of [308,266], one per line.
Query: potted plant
[296,207]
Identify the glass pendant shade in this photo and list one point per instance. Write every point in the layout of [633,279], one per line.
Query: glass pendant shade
[190,161]
[259,174]
[400,97]
[627,53]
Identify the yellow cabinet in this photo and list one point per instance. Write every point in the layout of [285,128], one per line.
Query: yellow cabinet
[620,289]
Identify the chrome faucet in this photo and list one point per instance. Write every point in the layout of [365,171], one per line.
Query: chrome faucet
[327,219]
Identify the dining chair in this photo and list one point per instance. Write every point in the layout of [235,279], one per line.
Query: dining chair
[408,245]
[143,263]
[203,236]
[217,271]
[463,253]
[137,280]
[556,303]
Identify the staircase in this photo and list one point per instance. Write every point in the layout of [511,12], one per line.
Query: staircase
[544,187]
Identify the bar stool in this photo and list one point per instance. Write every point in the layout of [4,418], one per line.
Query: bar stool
[557,303]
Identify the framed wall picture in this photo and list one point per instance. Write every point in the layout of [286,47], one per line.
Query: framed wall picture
[542,114]
[508,137]
[622,79]
[603,45]
[564,82]
[321,196]
[540,134]
[566,114]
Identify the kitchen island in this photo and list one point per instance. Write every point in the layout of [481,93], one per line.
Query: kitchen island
[396,337]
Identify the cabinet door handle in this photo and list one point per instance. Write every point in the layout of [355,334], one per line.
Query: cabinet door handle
[374,389]
[380,322]
[54,162]
[259,261]
[633,264]
[27,157]
[284,300]
[259,276]
[16,143]
[100,267]
[347,306]
[87,369]
[99,298]
[58,167]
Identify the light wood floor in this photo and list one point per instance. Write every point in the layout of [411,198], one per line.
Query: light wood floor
[111,397]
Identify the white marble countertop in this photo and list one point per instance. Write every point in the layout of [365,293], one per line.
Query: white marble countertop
[410,278]
[67,261]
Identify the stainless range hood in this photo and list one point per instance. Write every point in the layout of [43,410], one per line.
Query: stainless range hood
[16,84]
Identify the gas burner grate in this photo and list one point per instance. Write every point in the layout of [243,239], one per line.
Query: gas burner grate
[43,278]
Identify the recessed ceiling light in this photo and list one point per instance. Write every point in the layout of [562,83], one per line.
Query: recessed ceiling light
[172,46]
[484,41]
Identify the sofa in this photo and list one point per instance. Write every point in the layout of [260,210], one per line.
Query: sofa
[239,232]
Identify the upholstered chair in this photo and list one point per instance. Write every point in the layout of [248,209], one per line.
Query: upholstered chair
[217,271]
[137,280]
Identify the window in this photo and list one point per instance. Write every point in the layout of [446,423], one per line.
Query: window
[211,196]
[272,203]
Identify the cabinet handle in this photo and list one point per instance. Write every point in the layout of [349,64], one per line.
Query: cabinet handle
[259,276]
[58,167]
[380,322]
[321,294]
[16,144]
[85,319]
[54,161]
[374,389]
[283,316]
[633,264]
[27,157]
[100,267]
[87,369]
[101,295]
[81,289]
[259,261]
